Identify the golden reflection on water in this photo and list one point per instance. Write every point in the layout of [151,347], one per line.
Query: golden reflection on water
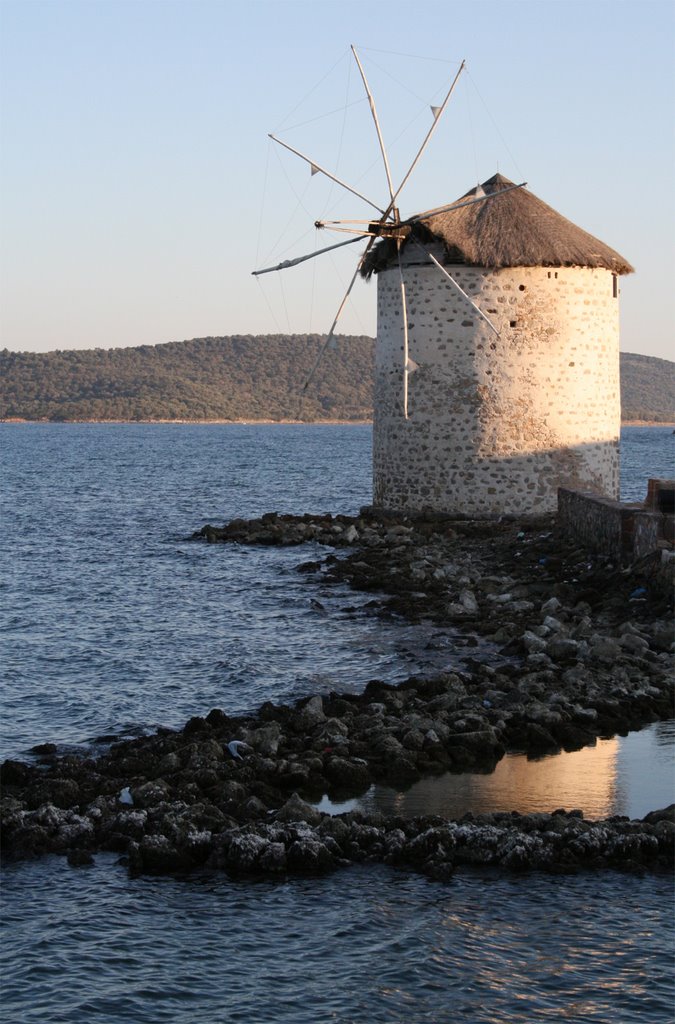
[586,779]
[630,775]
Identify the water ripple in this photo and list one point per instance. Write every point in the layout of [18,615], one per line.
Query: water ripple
[362,946]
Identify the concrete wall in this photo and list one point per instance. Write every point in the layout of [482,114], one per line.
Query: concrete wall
[496,423]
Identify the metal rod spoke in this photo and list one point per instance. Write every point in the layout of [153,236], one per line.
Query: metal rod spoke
[333,325]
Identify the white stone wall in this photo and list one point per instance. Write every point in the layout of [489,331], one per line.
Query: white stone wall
[497,423]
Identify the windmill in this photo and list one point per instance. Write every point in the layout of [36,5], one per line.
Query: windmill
[515,352]
[387,225]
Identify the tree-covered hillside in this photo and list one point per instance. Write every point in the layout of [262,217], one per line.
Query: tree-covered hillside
[647,388]
[242,378]
[246,377]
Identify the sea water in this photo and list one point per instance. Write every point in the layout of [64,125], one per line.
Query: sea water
[115,622]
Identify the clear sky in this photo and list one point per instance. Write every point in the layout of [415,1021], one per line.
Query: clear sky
[139,189]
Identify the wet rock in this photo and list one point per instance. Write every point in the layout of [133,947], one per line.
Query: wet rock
[196,726]
[387,747]
[562,650]
[218,720]
[266,739]
[535,739]
[15,773]
[254,809]
[604,649]
[352,775]
[634,644]
[169,764]
[44,749]
[663,814]
[297,809]
[151,793]
[272,860]
[311,714]
[80,858]
[130,824]
[583,662]
[467,600]
[533,643]
[156,854]
[413,739]
[664,637]
[571,736]
[244,851]
[58,791]
[309,856]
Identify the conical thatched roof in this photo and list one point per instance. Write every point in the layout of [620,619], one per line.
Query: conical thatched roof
[515,229]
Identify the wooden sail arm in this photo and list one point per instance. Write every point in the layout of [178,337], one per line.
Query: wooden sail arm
[437,116]
[301,259]
[373,111]
[450,278]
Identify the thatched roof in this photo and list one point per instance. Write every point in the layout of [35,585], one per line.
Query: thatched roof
[515,229]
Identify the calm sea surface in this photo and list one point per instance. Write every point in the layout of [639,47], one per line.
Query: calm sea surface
[113,622]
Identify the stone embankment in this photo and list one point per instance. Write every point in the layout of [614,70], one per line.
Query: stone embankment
[585,652]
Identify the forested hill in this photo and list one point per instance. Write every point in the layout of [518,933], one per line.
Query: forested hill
[247,378]
[647,388]
[242,378]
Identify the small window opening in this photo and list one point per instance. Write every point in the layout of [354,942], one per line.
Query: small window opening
[513,323]
[556,273]
[615,286]
[521,287]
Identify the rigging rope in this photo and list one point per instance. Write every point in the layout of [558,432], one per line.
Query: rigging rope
[341,139]
[262,203]
[345,55]
[406,88]
[496,127]
[321,117]
[269,306]
[472,134]
[299,204]
[283,299]
[313,286]
[411,56]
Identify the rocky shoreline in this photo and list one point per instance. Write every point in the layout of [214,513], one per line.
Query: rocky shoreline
[586,651]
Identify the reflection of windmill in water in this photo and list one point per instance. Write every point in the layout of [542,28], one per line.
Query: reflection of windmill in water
[497,356]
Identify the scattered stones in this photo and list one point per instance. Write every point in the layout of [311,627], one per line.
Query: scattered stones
[580,660]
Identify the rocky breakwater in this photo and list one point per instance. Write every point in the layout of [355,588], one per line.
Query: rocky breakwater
[197,798]
[585,652]
[586,645]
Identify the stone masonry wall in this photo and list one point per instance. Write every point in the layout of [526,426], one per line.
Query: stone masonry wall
[602,523]
[496,423]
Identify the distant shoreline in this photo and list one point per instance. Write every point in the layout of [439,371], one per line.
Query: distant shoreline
[257,423]
[199,423]
[647,423]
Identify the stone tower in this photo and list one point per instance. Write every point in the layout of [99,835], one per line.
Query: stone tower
[496,422]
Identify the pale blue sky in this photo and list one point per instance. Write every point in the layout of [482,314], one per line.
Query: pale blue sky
[139,188]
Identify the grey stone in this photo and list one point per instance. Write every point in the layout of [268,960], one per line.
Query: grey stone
[311,714]
[296,809]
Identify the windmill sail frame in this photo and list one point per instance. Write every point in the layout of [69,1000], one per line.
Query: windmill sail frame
[388,225]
